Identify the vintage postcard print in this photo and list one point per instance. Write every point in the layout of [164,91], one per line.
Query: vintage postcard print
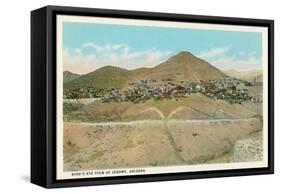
[141,97]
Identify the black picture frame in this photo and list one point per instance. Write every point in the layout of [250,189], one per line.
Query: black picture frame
[43,95]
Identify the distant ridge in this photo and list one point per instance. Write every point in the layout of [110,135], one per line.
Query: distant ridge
[69,76]
[248,75]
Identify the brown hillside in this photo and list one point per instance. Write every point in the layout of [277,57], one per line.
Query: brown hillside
[195,106]
[106,77]
[182,67]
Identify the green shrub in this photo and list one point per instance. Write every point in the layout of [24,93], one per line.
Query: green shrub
[70,107]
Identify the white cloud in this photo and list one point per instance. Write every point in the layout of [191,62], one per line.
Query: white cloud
[222,58]
[78,52]
[92,45]
[91,56]
[214,52]
[226,63]
[104,48]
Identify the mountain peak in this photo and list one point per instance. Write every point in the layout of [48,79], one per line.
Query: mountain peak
[69,76]
[182,56]
[67,72]
[185,66]
[110,68]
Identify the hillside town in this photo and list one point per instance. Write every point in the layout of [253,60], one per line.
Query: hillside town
[228,89]
[88,92]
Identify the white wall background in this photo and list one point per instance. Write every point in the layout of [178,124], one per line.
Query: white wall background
[15,94]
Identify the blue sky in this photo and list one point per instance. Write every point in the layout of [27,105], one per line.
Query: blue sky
[89,46]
